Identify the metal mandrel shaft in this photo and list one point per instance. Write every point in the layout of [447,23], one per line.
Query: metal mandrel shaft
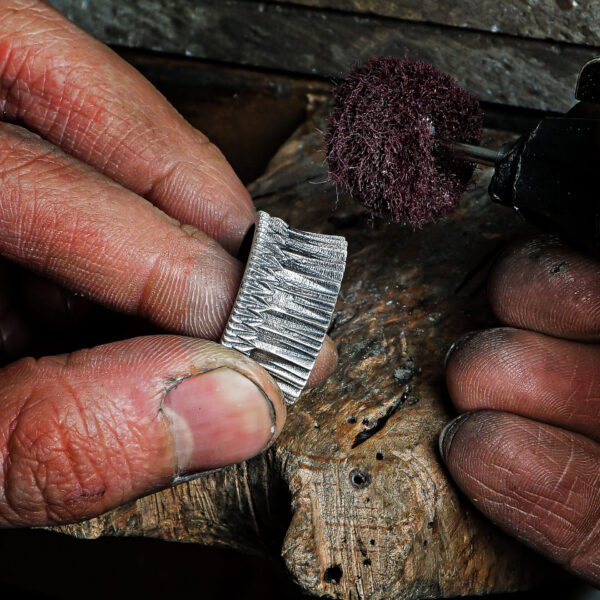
[476,154]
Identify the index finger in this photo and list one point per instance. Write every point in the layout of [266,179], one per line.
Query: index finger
[81,96]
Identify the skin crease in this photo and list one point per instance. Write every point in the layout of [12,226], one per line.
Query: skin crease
[525,448]
[109,193]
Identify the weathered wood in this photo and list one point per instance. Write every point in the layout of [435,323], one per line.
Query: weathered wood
[501,69]
[353,495]
[571,21]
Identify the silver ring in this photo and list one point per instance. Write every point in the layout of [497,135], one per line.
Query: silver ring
[286,300]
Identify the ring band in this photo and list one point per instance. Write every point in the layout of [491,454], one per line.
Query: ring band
[286,300]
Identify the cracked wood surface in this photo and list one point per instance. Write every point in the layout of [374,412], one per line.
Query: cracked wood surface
[353,496]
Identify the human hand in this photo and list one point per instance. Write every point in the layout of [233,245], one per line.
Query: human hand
[525,450]
[122,201]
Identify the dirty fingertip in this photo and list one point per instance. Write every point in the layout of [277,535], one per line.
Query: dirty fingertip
[457,345]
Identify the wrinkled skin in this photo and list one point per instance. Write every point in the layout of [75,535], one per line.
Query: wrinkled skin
[106,191]
[526,448]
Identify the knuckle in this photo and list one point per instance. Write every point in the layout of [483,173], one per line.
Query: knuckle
[195,180]
[163,295]
[18,58]
[170,182]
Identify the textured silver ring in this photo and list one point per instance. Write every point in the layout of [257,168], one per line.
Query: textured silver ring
[286,300]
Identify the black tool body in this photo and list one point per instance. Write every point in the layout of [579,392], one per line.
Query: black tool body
[552,177]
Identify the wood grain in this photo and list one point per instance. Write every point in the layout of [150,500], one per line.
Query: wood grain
[496,68]
[353,496]
[560,20]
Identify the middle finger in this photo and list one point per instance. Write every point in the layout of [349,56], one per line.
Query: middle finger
[62,218]
[527,373]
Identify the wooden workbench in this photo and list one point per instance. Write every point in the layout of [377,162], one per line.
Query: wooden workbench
[353,496]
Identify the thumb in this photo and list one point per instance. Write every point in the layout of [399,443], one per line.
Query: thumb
[83,433]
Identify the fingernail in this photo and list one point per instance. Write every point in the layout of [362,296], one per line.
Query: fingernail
[448,433]
[217,419]
[459,343]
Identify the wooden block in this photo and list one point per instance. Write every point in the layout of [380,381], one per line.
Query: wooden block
[501,69]
[353,496]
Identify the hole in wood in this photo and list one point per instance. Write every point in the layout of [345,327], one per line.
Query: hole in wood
[359,479]
[333,574]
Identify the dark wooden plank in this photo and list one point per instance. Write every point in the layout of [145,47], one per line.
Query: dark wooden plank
[574,21]
[496,68]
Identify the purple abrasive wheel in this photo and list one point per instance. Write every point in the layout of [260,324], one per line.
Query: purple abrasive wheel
[380,139]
